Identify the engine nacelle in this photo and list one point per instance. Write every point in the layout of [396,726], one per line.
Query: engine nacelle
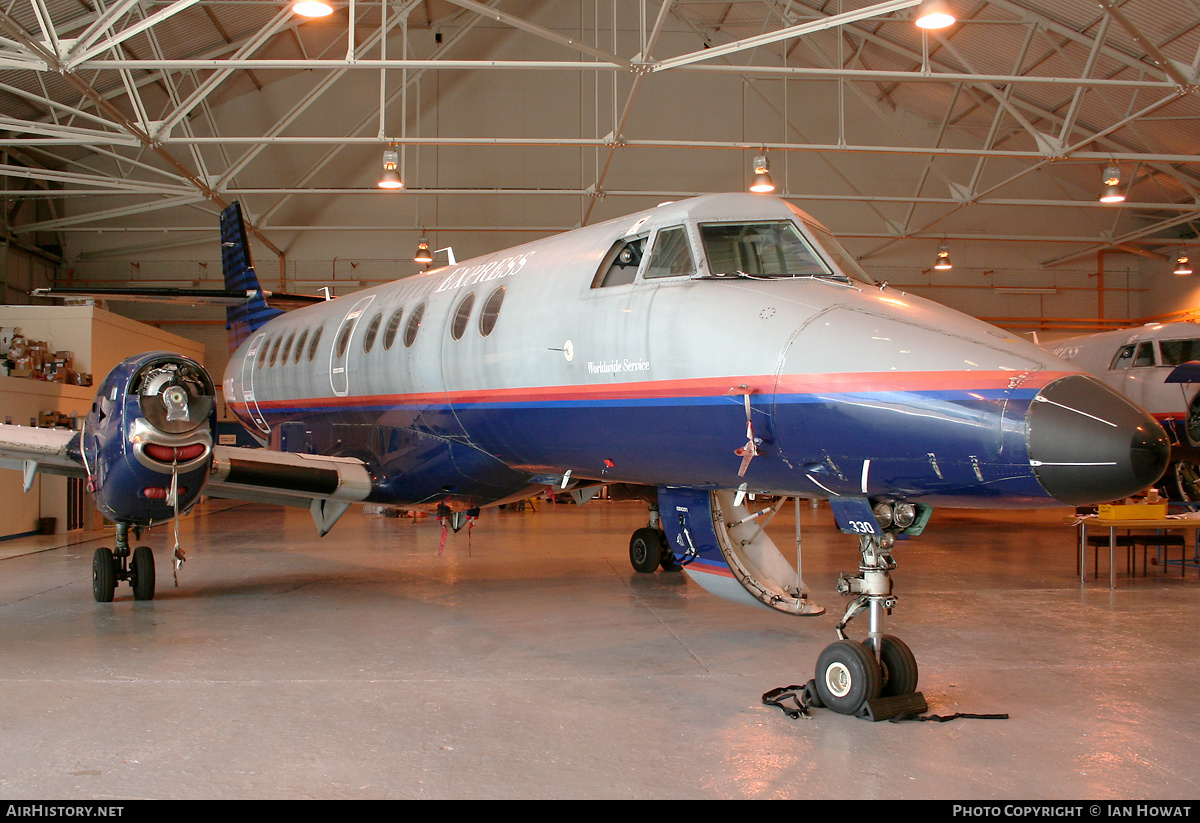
[150,428]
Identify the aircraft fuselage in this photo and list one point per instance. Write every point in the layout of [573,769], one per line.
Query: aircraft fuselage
[624,351]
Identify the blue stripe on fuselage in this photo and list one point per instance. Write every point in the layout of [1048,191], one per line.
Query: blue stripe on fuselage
[920,444]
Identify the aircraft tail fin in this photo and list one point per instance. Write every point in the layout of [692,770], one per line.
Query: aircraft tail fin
[242,320]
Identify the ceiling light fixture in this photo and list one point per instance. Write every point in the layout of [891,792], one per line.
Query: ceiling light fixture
[312,8]
[1112,180]
[943,258]
[935,14]
[391,175]
[762,181]
[1182,266]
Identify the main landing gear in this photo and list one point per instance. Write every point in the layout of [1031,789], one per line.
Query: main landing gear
[649,548]
[880,674]
[110,566]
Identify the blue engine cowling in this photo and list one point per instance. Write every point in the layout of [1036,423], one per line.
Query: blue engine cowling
[150,426]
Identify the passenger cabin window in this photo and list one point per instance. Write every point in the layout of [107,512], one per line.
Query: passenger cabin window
[300,344]
[414,325]
[490,311]
[372,330]
[312,346]
[769,249]
[1175,352]
[344,338]
[619,267]
[461,316]
[287,349]
[389,334]
[671,255]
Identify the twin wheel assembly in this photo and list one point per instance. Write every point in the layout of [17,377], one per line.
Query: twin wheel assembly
[877,677]
[649,549]
[110,566]
[851,676]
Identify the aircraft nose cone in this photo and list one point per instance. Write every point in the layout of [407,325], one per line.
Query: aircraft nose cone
[1088,444]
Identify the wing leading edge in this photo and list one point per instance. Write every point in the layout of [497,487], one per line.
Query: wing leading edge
[325,485]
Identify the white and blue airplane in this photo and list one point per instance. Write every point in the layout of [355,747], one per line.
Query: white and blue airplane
[702,351]
[1157,366]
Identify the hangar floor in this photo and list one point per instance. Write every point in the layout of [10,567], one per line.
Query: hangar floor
[529,660]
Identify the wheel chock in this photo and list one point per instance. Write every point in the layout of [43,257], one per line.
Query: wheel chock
[885,708]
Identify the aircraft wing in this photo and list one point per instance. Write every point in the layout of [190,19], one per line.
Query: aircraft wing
[194,297]
[325,485]
[31,449]
[1185,373]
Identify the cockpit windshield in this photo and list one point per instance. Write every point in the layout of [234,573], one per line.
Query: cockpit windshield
[837,252]
[768,249]
[1175,352]
[776,249]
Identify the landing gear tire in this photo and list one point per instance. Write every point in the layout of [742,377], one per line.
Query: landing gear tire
[899,667]
[104,575]
[142,573]
[847,677]
[1181,482]
[645,550]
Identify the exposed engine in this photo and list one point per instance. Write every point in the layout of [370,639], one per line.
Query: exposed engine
[147,442]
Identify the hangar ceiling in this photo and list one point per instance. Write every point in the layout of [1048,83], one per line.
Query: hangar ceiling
[143,117]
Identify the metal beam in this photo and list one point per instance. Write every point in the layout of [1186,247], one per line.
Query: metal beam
[88,91]
[833,21]
[1185,84]
[75,56]
[544,33]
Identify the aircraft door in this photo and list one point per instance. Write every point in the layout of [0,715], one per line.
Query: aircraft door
[339,355]
[247,386]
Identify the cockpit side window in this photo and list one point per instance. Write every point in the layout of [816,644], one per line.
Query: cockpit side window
[764,249]
[671,255]
[620,265]
[1144,356]
[1123,358]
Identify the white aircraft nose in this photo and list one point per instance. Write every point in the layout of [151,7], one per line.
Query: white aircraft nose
[1088,444]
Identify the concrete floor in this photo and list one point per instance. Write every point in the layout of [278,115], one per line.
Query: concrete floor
[529,660]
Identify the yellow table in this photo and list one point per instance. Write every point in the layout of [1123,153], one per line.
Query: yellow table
[1154,524]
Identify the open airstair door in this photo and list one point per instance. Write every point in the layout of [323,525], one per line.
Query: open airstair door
[724,547]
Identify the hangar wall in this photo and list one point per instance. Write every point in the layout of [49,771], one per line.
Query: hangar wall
[98,341]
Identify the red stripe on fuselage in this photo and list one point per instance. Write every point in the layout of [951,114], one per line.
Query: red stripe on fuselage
[832,383]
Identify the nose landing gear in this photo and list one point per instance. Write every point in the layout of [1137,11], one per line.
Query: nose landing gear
[878,677]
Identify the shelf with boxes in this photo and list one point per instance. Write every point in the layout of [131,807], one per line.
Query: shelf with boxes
[23,357]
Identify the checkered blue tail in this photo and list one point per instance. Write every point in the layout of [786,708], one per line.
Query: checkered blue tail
[243,320]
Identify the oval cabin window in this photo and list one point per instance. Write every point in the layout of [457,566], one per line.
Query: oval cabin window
[461,315]
[414,325]
[490,311]
[344,338]
[372,330]
[393,326]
